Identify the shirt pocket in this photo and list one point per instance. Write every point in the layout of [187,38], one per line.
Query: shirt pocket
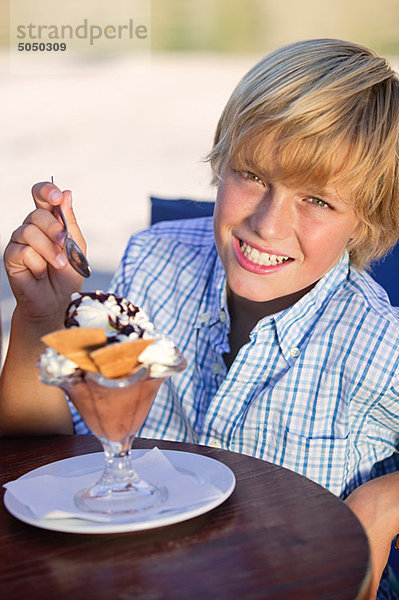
[305,413]
[321,459]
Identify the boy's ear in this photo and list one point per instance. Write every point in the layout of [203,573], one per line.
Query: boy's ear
[359,233]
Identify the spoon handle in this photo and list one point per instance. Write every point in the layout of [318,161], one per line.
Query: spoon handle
[63,219]
[61,214]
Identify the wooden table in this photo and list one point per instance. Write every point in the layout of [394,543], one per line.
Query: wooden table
[278,537]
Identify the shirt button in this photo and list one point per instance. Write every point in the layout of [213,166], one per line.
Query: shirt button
[216,368]
[205,317]
[222,316]
[295,352]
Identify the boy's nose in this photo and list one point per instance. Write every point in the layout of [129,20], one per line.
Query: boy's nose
[273,218]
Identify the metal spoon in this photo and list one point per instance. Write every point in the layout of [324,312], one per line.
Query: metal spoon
[75,256]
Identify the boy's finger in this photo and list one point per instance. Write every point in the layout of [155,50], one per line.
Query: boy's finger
[31,237]
[46,195]
[48,224]
[24,258]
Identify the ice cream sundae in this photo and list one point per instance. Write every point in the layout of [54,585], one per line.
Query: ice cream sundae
[107,334]
[110,362]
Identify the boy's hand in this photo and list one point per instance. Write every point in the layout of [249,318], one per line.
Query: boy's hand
[375,503]
[39,273]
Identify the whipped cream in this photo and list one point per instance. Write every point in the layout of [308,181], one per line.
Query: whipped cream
[160,355]
[54,366]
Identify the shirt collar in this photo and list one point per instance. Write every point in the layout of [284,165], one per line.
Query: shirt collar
[292,324]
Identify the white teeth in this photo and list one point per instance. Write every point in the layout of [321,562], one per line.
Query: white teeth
[261,258]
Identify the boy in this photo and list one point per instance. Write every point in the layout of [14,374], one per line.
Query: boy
[292,349]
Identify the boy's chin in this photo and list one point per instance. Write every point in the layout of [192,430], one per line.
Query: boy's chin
[251,295]
[280,299]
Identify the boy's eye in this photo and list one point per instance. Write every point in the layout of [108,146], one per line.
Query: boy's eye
[318,202]
[252,177]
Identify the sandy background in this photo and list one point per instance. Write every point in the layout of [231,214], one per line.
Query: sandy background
[114,133]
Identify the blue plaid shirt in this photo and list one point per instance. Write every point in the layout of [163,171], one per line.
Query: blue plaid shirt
[316,389]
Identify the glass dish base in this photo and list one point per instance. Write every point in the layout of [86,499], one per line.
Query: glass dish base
[129,500]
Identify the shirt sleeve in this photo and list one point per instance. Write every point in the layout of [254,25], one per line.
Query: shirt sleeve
[121,281]
[79,426]
[383,431]
[388,588]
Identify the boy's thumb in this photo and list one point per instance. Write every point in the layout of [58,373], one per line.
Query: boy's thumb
[71,220]
[67,208]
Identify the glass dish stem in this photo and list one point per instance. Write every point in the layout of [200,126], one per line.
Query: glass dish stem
[120,490]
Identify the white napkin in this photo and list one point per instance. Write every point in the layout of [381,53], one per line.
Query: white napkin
[52,496]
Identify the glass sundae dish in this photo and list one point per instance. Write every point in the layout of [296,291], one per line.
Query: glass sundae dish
[111,364]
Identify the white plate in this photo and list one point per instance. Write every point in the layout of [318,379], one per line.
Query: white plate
[197,465]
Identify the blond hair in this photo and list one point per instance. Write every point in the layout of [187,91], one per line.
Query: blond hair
[322,111]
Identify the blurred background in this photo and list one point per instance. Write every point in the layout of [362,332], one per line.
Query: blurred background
[117,129]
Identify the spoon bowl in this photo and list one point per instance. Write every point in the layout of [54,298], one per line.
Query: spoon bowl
[75,256]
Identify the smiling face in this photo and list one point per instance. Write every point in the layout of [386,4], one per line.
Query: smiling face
[276,239]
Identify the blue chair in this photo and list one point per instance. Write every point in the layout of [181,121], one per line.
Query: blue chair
[169,210]
[385,271]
